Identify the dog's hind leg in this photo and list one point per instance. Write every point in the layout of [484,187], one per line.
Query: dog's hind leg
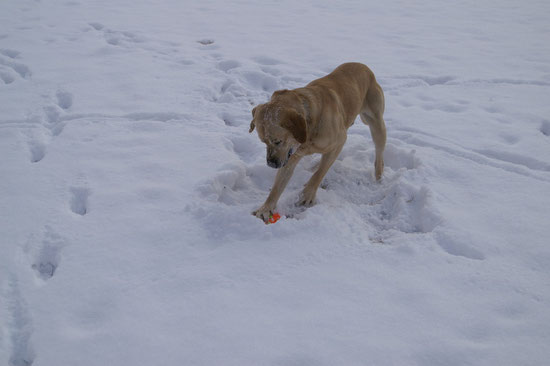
[372,114]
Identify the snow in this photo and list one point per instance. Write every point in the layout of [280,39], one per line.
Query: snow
[128,179]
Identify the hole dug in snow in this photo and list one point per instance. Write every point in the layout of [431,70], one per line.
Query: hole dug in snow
[349,193]
[396,158]
[227,186]
[408,209]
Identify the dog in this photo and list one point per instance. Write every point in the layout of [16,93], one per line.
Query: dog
[315,119]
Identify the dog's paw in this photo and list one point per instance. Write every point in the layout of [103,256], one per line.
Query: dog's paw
[264,212]
[307,199]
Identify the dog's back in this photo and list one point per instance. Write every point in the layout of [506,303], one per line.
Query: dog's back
[351,82]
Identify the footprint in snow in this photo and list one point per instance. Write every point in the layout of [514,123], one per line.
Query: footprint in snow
[37,150]
[9,53]
[45,255]
[8,65]
[229,120]
[38,145]
[79,200]
[19,325]
[6,72]
[64,99]
[230,91]
[116,38]
[6,76]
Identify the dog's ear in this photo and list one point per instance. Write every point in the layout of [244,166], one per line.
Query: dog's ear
[252,125]
[296,124]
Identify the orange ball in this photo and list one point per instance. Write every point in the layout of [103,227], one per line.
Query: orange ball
[274,218]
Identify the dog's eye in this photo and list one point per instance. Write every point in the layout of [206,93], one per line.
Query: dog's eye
[278,142]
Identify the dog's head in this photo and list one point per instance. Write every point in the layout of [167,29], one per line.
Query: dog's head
[281,129]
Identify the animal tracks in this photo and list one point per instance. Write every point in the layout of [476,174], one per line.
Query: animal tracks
[6,77]
[64,99]
[248,82]
[246,86]
[9,53]
[393,204]
[37,150]
[47,259]
[79,200]
[21,69]
[245,148]
[117,38]
[52,125]
[45,254]
[20,325]
[10,69]
[44,257]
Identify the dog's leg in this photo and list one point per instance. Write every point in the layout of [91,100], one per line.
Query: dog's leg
[281,180]
[373,116]
[378,133]
[310,189]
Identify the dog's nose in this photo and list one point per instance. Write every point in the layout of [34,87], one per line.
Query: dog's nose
[273,163]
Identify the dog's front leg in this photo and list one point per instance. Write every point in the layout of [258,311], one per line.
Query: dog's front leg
[281,180]
[310,188]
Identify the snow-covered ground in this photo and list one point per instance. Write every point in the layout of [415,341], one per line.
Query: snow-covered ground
[128,176]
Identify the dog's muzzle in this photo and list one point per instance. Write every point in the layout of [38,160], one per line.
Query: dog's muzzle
[276,164]
[273,163]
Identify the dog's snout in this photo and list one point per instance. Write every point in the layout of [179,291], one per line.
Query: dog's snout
[273,163]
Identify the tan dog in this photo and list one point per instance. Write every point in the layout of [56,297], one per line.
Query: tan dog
[315,119]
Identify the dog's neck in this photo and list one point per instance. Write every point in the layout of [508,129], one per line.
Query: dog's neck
[305,97]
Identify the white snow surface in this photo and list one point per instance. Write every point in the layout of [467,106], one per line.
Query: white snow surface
[128,177]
